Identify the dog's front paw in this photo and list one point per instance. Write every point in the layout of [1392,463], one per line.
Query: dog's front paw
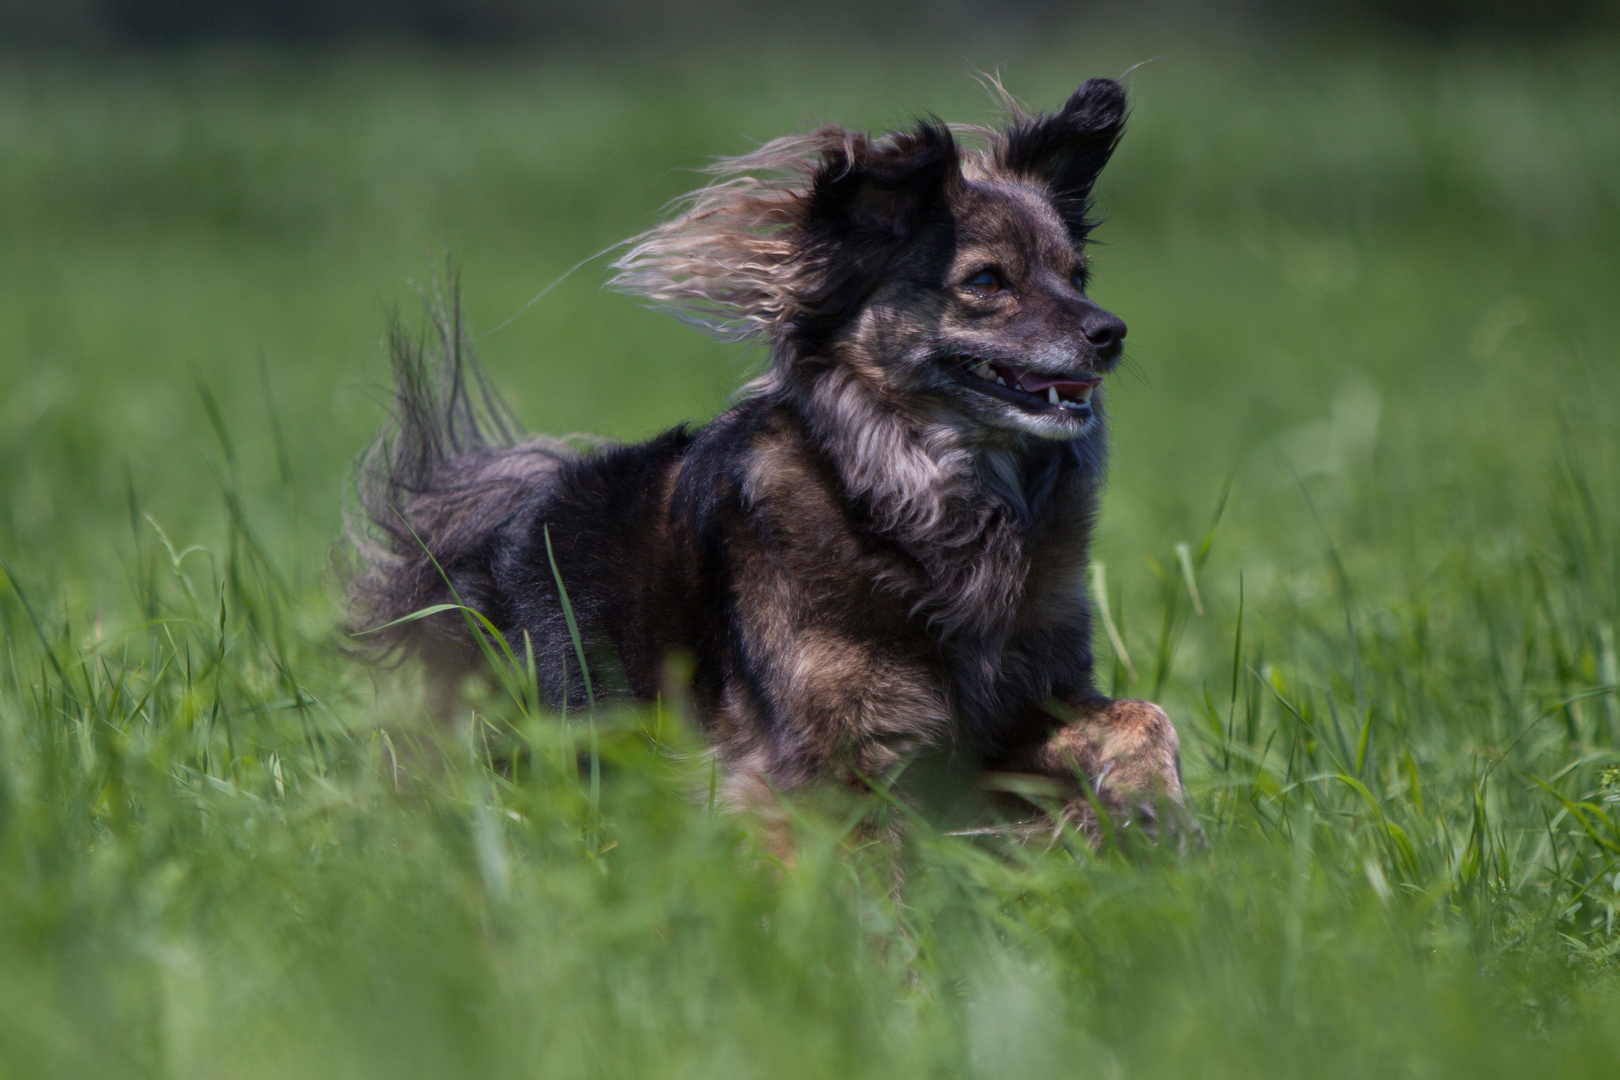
[1129,755]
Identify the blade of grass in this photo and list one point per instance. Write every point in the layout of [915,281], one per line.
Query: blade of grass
[1099,595]
[584,670]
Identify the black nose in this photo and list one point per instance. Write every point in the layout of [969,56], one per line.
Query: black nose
[1103,331]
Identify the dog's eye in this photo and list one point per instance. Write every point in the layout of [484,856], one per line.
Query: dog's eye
[1078,280]
[986,283]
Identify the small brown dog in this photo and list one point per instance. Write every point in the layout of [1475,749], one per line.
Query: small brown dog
[880,549]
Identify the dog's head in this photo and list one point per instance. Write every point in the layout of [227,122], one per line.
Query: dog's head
[951,280]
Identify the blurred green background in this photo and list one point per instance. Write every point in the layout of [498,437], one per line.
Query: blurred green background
[1369,256]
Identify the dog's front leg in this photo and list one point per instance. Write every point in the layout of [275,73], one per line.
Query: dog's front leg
[1121,756]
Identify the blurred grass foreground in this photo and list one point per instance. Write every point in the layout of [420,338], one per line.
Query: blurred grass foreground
[1372,304]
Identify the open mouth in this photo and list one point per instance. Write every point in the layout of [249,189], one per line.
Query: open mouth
[1031,389]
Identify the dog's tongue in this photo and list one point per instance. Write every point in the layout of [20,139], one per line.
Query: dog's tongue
[1030,383]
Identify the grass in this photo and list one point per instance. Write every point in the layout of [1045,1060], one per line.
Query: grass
[1370,290]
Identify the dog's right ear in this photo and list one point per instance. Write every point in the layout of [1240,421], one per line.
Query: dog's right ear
[879,192]
[1068,149]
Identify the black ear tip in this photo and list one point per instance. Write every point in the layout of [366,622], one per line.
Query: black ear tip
[1099,97]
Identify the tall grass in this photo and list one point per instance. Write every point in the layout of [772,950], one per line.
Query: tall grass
[1363,540]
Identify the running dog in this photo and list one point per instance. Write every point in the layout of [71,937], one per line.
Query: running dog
[880,550]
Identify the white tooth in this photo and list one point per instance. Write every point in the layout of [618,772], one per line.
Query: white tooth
[1000,381]
[983,371]
[1084,395]
[1051,394]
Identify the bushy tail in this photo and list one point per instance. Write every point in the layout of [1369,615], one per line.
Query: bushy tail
[437,489]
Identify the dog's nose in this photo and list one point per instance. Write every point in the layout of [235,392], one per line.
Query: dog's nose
[1103,330]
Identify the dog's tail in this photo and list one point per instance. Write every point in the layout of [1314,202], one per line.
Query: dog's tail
[447,476]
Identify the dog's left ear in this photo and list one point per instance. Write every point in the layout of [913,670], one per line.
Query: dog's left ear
[1068,149]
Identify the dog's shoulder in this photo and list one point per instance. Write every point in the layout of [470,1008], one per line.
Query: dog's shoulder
[755,459]
[713,469]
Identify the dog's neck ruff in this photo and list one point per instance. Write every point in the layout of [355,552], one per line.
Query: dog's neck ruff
[964,511]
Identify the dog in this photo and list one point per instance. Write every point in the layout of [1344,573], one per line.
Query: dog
[879,550]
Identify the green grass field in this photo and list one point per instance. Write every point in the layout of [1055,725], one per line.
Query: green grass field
[1371,295]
